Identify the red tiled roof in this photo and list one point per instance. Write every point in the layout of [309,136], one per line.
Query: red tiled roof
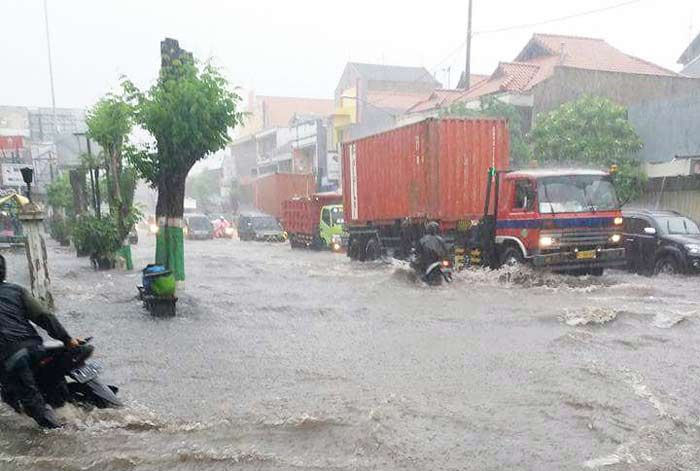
[440,98]
[590,53]
[393,100]
[544,52]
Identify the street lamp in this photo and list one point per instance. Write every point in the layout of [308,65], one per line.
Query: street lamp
[27,176]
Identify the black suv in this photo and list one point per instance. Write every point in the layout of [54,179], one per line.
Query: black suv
[661,242]
[260,226]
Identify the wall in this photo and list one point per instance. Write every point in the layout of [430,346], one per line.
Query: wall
[244,157]
[692,69]
[568,84]
[668,128]
[679,194]
[14,121]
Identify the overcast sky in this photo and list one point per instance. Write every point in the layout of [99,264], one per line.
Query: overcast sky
[299,48]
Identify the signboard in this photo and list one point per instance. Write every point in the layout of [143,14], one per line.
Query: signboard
[333,166]
[11,142]
[11,174]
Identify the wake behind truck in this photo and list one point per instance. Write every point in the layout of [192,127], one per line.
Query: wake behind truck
[454,171]
[316,222]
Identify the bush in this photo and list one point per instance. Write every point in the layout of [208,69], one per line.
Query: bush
[59,230]
[97,237]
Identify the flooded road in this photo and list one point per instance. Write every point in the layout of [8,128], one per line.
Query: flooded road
[299,360]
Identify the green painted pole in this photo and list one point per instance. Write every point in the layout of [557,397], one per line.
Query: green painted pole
[170,247]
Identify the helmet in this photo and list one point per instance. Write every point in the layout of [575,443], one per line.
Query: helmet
[432,228]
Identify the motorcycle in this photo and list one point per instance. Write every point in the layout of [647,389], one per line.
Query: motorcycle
[435,273]
[64,375]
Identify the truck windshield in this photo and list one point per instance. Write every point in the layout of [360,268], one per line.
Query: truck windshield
[677,225]
[268,223]
[576,194]
[337,217]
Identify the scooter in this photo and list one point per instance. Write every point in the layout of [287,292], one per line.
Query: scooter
[435,273]
[65,375]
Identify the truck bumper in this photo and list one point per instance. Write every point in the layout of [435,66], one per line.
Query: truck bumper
[604,258]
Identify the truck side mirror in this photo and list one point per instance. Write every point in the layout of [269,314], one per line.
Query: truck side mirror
[650,230]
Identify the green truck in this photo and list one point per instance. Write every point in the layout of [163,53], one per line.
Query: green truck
[316,222]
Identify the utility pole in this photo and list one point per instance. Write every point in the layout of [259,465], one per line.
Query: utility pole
[53,94]
[467,69]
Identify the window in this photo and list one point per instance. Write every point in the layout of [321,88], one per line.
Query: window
[326,217]
[524,196]
[677,225]
[576,194]
[635,225]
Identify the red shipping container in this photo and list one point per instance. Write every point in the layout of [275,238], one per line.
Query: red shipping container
[433,169]
[302,215]
[270,191]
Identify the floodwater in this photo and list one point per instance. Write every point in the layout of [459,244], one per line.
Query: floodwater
[286,360]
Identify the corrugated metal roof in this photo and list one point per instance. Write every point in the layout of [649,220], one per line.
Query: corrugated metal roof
[691,53]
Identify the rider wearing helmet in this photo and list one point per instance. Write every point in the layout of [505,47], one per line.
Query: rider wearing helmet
[20,344]
[431,247]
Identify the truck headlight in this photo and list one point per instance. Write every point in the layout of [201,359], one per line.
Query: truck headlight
[615,238]
[693,248]
[618,221]
[546,241]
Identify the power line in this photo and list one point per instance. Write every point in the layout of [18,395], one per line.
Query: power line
[449,56]
[556,20]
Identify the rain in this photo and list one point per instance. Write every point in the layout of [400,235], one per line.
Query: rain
[329,247]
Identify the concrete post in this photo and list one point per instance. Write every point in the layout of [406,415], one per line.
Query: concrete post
[32,217]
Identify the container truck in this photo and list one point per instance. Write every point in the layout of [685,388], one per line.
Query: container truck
[316,222]
[270,191]
[455,172]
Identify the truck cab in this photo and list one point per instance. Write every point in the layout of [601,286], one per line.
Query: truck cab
[567,220]
[332,226]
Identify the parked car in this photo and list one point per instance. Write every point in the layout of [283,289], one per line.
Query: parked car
[661,242]
[260,226]
[198,226]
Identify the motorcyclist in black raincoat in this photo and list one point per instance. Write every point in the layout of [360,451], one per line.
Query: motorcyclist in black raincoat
[20,345]
[431,247]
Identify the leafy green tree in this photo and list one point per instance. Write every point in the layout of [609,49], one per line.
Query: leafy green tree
[492,107]
[205,188]
[109,123]
[59,195]
[592,131]
[188,111]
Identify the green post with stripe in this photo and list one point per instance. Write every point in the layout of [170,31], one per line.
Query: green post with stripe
[170,250]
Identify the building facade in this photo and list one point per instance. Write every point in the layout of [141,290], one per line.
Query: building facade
[370,98]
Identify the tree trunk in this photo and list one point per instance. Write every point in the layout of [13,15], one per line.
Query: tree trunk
[77,183]
[98,195]
[170,250]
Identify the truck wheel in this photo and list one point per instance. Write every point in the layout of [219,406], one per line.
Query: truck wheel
[667,265]
[511,256]
[354,249]
[372,249]
[317,243]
